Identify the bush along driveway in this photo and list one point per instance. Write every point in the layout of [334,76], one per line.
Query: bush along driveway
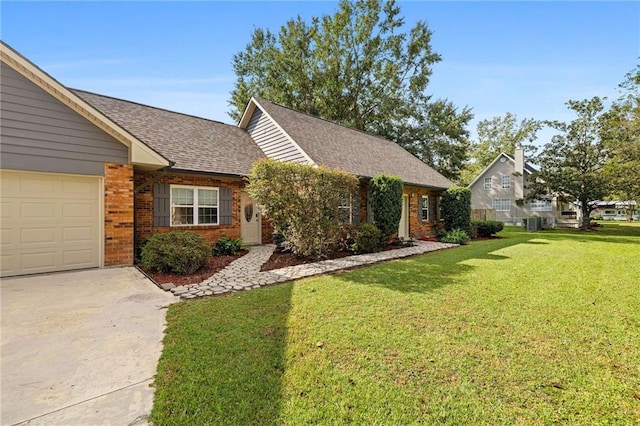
[533,328]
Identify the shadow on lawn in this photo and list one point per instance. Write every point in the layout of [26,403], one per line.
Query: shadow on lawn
[428,272]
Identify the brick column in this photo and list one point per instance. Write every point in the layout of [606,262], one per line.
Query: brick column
[118,214]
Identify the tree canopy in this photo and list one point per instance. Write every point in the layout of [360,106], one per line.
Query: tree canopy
[621,136]
[571,165]
[359,68]
[500,134]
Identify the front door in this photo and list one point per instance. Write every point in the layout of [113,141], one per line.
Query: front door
[250,221]
[403,229]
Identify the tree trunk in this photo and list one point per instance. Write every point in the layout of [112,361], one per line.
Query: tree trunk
[586,220]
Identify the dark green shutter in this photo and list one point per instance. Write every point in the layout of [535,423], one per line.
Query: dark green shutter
[161,204]
[355,208]
[226,203]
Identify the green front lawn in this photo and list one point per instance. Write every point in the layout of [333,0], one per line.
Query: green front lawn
[534,328]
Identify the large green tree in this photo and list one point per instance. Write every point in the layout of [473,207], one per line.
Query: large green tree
[571,165]
[621,135]
[496,135]
[358,67]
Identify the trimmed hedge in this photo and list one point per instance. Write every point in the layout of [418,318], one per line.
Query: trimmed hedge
[180,252]
[304,203]
[386,204]
[456,209]
[487,228]
[366,239]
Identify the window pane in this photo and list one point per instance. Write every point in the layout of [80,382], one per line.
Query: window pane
[182,196]
[207,215]
[182,216]
[502,204]
[505,182]
[487,183]
[207,197]
[424,208]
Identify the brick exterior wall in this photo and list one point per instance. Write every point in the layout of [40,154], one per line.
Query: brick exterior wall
[118,214]
[144,204]
[419,228]
[267,230]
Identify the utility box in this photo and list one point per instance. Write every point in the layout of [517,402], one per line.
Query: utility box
[533,223]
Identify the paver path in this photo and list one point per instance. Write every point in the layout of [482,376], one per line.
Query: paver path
[244,273]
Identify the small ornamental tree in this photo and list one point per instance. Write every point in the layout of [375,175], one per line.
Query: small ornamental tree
[303,202]
[386,203]
[456,209]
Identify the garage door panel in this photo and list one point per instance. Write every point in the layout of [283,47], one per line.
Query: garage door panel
[77,258]
[8,263]
[34,185]
[39,261]
[79,210]
[7,210]
[37,211]
[50,222]
[38,236]
[75,190]
[6,238]
[76,234]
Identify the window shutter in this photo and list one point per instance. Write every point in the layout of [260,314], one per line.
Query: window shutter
[355,207]
[226,202]
[433,208]
[161,204]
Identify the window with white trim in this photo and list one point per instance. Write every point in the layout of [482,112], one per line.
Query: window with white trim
[346,207]
[506,182]
[541,206]
[487,183]
[501,204]
[424,207]
[192,205]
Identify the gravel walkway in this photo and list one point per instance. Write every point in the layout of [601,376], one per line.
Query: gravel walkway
[244,273]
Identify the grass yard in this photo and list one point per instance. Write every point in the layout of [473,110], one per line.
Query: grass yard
[534,328]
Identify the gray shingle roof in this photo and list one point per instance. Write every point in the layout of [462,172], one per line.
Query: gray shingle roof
[192,143]
[350,150]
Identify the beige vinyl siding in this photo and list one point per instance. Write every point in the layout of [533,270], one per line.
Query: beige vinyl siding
[482,198]
[272,140]
[39,133]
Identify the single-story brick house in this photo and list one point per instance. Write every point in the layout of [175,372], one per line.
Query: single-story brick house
[85,176]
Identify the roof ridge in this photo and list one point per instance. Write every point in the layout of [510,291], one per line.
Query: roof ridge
[152,107]
[334,123]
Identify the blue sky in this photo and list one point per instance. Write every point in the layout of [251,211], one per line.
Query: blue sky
[527,58]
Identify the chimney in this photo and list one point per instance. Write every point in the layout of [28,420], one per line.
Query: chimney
[519,157]
[519,172]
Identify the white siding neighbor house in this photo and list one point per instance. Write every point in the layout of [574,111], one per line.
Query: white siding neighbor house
[502,186]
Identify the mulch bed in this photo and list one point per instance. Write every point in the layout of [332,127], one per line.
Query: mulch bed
[214,264]
[281,259]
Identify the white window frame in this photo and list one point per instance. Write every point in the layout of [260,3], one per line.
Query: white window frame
[506,182]
[487,183]
[423,208]
[195,206]
[347,204]
[541,206]
[501,204]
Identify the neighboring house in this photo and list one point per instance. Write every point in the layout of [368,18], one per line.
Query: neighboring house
[84,176]
[501,186]
[614,210]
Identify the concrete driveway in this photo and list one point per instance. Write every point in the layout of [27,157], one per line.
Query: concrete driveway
[80,348]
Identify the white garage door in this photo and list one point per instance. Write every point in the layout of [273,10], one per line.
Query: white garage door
[50,222]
